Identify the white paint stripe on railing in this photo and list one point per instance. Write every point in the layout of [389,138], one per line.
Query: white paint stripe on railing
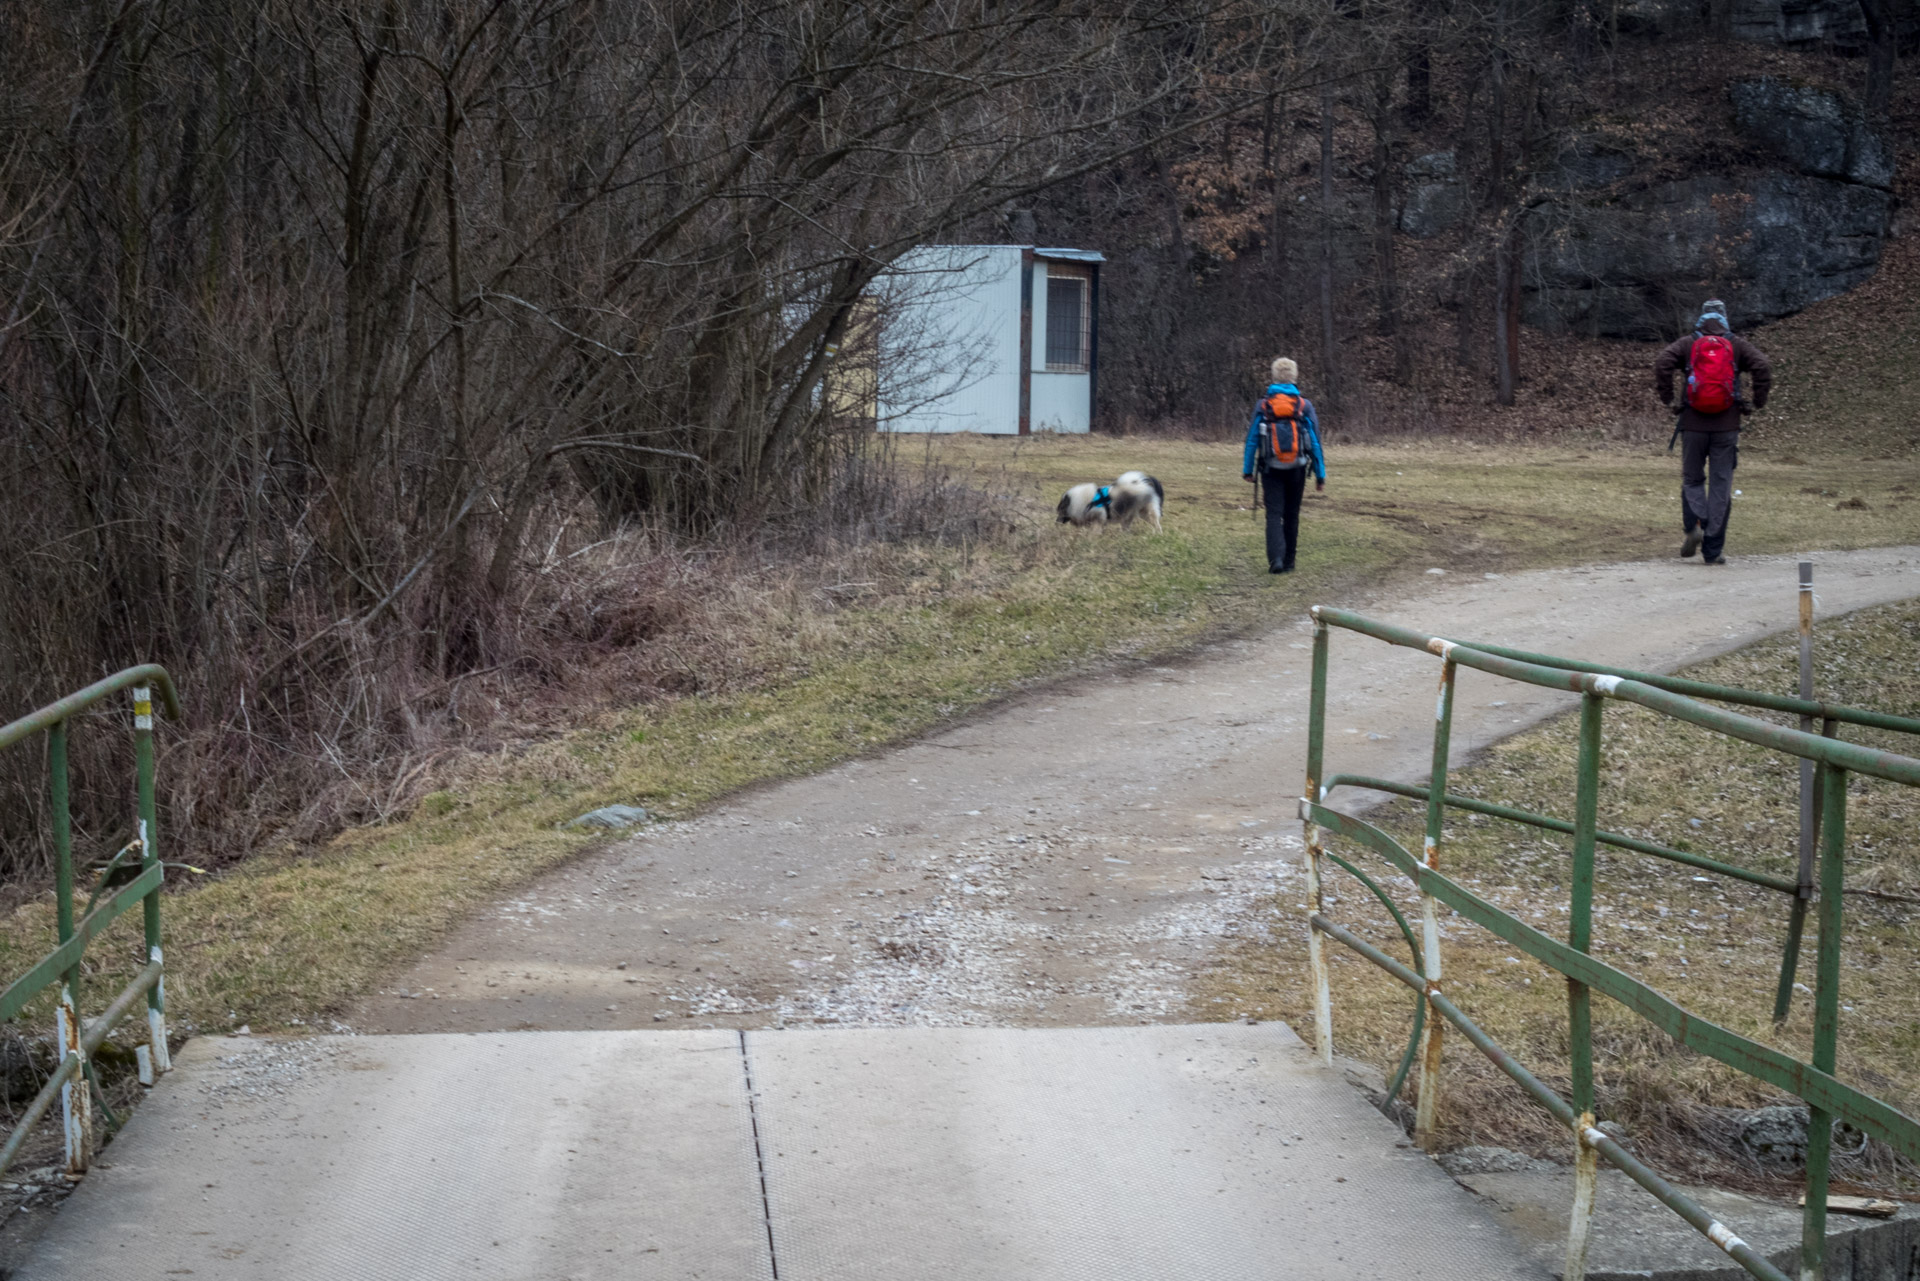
[1720,1236]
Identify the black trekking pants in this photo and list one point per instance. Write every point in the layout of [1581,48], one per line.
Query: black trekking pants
[1706,485]
[1283,490]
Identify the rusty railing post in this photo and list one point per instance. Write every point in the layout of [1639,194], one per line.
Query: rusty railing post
[158,1059]
[76,1096]
[1426,1115]
[1826,1016]
[1809,822]
[1586,823]
[76,1102]
[1316,753]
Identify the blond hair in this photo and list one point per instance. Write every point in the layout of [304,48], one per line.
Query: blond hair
[1285,370]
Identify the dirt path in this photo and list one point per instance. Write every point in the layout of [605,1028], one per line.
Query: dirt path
[1071,858]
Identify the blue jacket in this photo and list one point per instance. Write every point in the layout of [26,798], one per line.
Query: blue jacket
[1309,432]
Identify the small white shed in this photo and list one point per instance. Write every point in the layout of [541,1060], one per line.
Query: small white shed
[999,339]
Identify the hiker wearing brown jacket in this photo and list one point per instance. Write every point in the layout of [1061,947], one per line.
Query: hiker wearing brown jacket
[1710,441]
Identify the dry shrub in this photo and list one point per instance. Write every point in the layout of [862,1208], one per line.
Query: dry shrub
[357,730]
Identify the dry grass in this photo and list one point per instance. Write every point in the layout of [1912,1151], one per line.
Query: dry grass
[1714,945]
[879,641]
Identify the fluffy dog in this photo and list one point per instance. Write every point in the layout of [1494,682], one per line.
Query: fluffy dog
[1085,505]
[1137,494]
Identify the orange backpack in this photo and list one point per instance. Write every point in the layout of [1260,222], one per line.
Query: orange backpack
[1282,407]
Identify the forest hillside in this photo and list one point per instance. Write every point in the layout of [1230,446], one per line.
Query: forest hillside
[1482,235]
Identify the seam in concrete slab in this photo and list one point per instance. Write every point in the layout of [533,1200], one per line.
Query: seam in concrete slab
[759,1155]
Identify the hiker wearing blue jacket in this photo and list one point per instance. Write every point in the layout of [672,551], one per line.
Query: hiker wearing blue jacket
[1283,440]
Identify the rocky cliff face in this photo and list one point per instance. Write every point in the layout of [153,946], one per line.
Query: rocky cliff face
[1800,216]
[1801,24]
[1638,266]
[1832,25]
[1815,130]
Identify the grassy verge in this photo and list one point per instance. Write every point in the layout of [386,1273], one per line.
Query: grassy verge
[1714,945]
[928,634]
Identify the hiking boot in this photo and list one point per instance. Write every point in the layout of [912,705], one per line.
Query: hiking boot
[1716,560]
[1279,569]
[1691,544]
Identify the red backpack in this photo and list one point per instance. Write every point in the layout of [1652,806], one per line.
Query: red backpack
[1282,407]
[1710,374]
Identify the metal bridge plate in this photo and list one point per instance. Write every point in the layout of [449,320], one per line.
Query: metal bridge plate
[1215,1151]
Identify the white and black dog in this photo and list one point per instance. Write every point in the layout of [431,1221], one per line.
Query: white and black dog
[1137,494]
[1085,505]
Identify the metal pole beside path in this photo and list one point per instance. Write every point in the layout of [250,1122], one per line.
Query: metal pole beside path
[1803,894]
[1426,1116]
[1316,900]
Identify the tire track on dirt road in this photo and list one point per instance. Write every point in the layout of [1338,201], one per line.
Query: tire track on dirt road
[1074,855]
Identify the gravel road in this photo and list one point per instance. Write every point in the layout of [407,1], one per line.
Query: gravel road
[1071,857]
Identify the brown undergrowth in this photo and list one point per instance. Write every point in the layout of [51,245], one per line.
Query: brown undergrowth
[634,618]
[1712,944]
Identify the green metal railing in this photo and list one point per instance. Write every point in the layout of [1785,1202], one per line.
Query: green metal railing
[73,1081]
[1828,1099]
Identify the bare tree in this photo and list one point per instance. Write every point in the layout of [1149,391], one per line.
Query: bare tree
[316,316]
[1882,55]
[1329,340]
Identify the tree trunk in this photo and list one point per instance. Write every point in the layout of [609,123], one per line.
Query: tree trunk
[1420,83]
[1170,199]
[1465,349]
[1278,220]
[1881,49]
[1506,271]
[1506,311]
[1266,140]
[1329,374]
[1386,274]
[1497,130]
[1419,63]
[1280,241]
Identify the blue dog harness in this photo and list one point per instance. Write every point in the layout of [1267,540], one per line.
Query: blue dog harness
[1104,498]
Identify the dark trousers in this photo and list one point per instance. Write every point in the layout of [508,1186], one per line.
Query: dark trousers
[1706,485]
[1282,491]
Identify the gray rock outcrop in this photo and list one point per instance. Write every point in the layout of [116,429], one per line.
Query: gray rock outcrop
[1817,131]
[1607,257]
[610,818]
[1636,266]
[1778,1134]
[1436,199]
[1801,24]
[1833,25]
[1792,205]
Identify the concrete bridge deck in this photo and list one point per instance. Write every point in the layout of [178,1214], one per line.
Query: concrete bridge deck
[1210,1151]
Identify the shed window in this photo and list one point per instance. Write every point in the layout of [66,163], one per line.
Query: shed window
[1069,319]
